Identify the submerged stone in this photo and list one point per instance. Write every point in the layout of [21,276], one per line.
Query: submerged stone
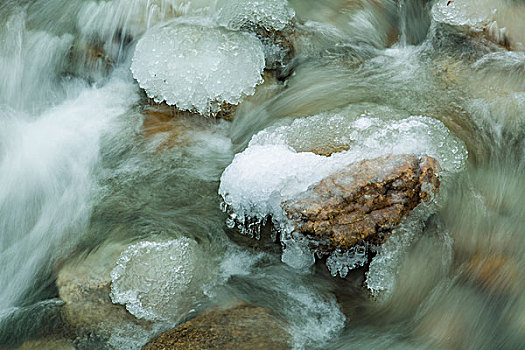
[244,327]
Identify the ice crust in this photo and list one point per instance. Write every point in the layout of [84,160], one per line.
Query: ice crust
[159,280]
[272,15]
[464,12]
[197,67]
[383,270]
[273,169]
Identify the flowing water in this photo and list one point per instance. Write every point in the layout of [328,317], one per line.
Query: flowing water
[82,167]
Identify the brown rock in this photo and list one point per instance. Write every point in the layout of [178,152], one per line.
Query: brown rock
[363,202]
[244,327]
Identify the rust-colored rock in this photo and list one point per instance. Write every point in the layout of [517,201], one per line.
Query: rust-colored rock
[244,327]
[363,202]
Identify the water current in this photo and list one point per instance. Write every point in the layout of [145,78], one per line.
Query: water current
[89,167]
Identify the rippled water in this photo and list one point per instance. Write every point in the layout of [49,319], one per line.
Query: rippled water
[86,163]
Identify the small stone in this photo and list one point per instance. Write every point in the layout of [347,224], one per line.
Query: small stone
[244,327]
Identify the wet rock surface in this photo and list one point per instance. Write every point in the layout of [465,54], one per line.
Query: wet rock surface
[363,202]
[243,327]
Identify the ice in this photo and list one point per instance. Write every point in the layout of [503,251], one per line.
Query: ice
[159,280]
[297,254]
[341,262]
[197,67]
[272,15]
[382,272]
[278,164]
[463,12]
[268,19]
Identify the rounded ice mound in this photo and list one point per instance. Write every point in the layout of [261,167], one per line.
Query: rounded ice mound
[463,12]
[159,280]
[282,162]
[197,67]
[272,15]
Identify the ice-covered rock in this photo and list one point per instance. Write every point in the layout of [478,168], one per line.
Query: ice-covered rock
[84,285]
[500,21]
[195,66]
[280,164]
[463,12]
[160,280]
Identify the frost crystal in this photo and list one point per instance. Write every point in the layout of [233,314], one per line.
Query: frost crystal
[159,280]
[272,15]
[197,67]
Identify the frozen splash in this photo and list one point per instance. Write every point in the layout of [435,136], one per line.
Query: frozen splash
[197,67]
[160,280]
[317,319]
[382,273]
[272,15]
